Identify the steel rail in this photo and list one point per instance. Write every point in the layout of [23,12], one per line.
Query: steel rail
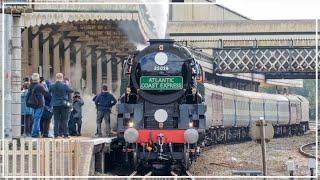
[302,150]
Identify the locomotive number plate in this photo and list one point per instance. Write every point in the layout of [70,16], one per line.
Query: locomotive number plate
[161,82]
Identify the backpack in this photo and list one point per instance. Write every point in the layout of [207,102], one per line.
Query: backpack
[32,100]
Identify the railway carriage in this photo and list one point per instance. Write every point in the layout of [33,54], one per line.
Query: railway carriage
[232,111]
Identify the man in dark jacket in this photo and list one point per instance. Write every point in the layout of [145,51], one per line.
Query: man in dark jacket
[35,100]
[60,93]
[47,111]
[104,102]
[76,115]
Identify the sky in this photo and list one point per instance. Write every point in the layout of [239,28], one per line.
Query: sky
[274,9]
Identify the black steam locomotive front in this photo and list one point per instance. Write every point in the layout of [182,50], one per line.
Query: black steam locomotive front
[161,110]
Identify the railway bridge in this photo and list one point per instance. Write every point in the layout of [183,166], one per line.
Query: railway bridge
[277,49]
[234,46]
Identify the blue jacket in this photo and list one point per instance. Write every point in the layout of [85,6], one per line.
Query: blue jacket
[60,92]
[104,101]
[25,110]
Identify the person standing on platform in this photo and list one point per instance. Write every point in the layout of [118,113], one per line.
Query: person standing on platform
[75,121]
[60,93]
[67,82]
[35,100]
[26,112]
[104,102]
[47,111]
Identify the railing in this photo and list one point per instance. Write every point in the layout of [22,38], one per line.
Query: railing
[40,157]
[265,59]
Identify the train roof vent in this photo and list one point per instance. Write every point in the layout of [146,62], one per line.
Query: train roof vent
[157,41]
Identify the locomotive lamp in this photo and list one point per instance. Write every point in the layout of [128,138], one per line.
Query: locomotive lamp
[194,91]
[190,124]
[191,136]
[131,124]
[131,135]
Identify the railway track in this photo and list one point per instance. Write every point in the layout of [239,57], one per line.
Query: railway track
[308,150]
[313,126]
[135,175]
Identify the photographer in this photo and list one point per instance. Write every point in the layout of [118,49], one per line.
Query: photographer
[76,115]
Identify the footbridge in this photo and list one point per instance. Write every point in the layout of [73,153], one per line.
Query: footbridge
[274,62]
[277,49]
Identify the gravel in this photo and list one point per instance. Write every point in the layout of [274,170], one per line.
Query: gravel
[221,160]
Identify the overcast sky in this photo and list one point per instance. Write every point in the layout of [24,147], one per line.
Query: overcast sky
[275,9]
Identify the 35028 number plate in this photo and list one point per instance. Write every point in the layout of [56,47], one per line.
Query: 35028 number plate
[161,82]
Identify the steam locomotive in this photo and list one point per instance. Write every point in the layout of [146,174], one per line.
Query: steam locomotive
[163,119]
[161,113]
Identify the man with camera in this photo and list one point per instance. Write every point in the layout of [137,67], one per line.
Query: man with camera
[76,115]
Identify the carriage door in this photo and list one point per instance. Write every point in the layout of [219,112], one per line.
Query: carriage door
[217,109]
[293,112]
[299,110]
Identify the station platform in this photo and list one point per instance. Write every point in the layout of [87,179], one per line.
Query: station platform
[92,153]
[95,141]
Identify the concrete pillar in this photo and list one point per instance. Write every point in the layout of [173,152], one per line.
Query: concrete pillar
[104,67]
[7,76]
[88,70]
[56,54]
[119,68]
[77,70]
[67,70]
[35,49]
[109,71]
[16,76]
[99,70]
[25,52]
[46,55]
